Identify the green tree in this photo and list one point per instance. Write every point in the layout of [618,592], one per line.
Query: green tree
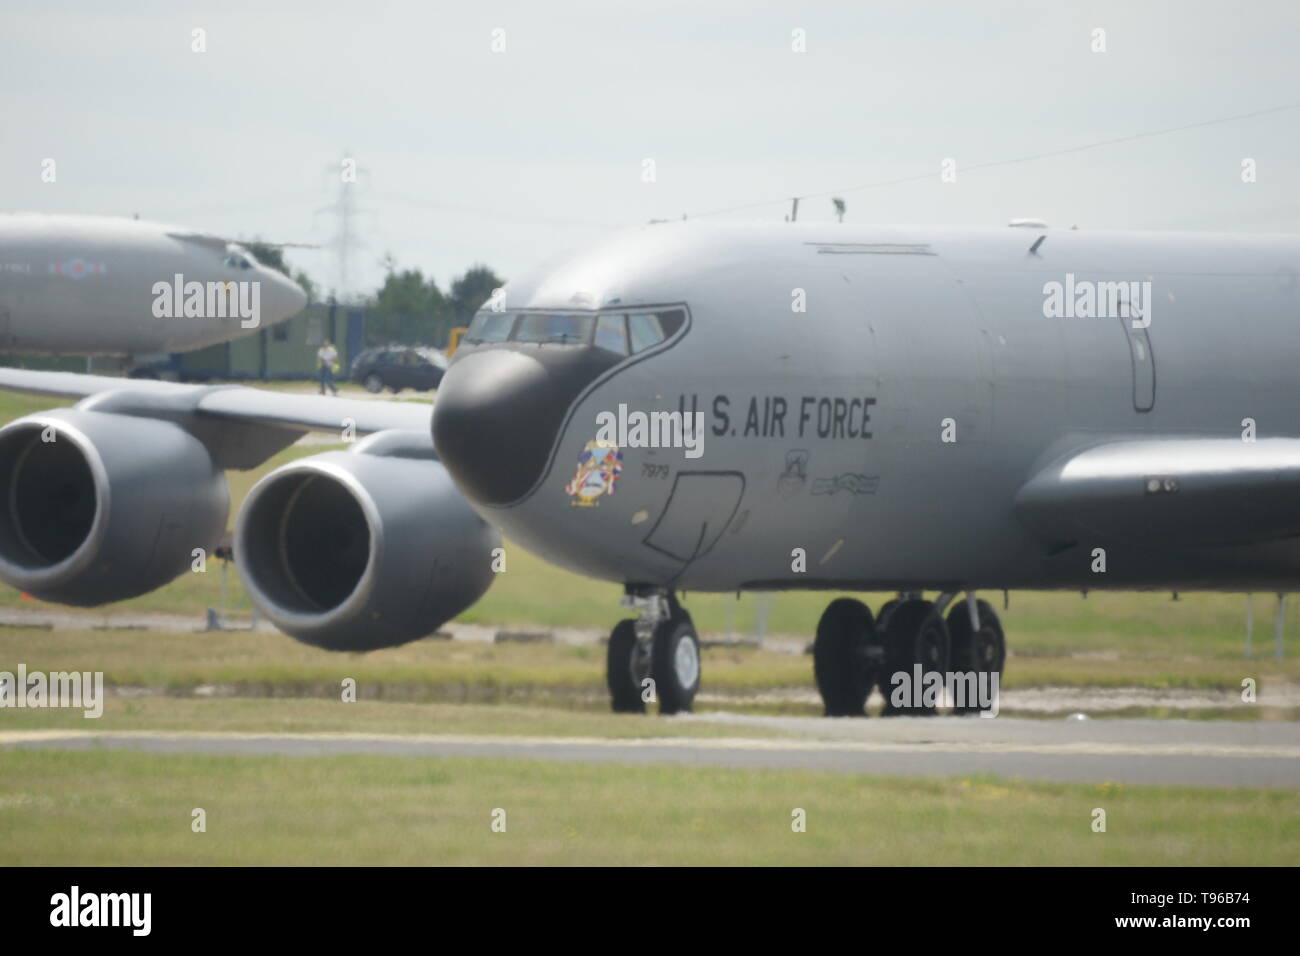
[470,291]
[268,255]
[409,308]
[273,256]
[304,280]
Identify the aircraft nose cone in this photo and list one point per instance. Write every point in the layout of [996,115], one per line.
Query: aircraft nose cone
[293,298]
[494,423]
[282,298]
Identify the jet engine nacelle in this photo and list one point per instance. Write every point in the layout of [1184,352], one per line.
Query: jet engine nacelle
[98,507]
[357,550]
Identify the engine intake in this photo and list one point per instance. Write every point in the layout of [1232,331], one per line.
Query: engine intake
[98,507]
[353,551]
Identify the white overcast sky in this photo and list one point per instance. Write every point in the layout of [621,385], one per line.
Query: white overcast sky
[508,158]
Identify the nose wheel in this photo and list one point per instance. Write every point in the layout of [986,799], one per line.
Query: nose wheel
[626,665]
[654,657]
[675,665]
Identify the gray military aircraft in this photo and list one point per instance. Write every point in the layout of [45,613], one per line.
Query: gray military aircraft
[99,285]
[735,407]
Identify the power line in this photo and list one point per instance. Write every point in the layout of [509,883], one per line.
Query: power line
[500,215]
[1007,162]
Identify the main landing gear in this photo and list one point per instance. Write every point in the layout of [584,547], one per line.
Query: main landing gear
[655,657]
[909,650]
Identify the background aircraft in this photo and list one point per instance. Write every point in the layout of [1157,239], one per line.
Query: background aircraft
[884,409]
[90,285]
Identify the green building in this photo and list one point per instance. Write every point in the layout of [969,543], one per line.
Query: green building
[285,350]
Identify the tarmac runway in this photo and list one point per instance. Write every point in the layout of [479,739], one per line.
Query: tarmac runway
[1204,753]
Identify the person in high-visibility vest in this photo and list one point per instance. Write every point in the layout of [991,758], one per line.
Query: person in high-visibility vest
[327,362]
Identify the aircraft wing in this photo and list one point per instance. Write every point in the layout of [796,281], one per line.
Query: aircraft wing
[219,243]
[1185,491]
[237,405]
[216,243]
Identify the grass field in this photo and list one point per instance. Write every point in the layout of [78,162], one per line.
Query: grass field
[558,675]
[104,808]
[119,807]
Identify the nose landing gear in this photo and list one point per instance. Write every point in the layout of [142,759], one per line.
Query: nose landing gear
[654,657]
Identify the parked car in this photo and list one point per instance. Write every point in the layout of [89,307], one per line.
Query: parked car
[396,367]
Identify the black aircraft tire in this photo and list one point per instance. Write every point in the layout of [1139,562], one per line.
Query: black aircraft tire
[844,675]
[914,634]
[675,665]
[620,671]
[984,651]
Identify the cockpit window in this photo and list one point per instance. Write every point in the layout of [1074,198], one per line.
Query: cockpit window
[559,329]
[490,327]
[611,334]
[646,331]
[617,332]
[238,261]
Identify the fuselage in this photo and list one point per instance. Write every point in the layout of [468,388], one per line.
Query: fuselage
[92,285]
[872,399]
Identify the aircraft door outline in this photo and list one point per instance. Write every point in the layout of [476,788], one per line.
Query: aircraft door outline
[700,507]
[1144,366]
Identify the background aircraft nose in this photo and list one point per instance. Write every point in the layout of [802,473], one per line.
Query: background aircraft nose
[494,422]
[282,298]
[291,299]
